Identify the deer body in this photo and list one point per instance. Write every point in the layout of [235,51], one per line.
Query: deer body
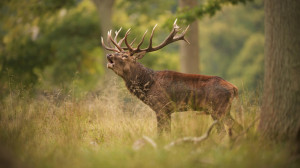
[167,91]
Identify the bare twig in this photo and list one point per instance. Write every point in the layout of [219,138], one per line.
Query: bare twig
[192,139]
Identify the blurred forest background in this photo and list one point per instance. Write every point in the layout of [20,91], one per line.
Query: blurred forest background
[53,45]
[61,107]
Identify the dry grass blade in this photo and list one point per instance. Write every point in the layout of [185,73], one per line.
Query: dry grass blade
[192,139]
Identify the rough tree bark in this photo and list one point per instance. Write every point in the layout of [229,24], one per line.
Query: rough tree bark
[105,11]
[189,53]
[280,115]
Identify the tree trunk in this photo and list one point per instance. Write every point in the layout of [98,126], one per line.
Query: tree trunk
[280,115]
[105,12]
[189,53]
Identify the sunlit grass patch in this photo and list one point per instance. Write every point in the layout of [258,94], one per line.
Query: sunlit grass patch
[99,131]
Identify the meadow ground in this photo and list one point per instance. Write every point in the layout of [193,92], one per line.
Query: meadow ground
[99,130]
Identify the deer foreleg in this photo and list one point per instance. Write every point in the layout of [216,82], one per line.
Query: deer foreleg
[163,123]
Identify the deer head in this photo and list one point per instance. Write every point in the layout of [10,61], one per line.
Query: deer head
[123,60]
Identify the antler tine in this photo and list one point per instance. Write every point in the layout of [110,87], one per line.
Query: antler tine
[117,33]
[132,41]
[114,42]
[181,36]
[126,42]
[174,24]
[108,40]
[150,41]
[108,48]
[139,45]
[121,41]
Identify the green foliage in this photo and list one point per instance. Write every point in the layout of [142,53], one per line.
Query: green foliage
[162,61]
[56,43]
[72,42]
[248,66]
[15,12]
[53,46]
[151,8]
[231,45]
[209,7]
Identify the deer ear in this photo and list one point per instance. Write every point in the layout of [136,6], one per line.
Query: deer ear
[139,55]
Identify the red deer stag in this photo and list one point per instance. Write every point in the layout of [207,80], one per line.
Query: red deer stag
[167,91]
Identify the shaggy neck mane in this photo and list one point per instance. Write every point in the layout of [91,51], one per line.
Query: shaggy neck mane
[139,81]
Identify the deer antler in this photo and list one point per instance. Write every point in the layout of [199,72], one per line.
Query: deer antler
[169,39]
[172,37]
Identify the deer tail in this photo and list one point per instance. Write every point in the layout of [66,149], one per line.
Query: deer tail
[236,92]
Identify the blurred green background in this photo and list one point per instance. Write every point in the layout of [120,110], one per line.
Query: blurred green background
[53,44]
[61,107]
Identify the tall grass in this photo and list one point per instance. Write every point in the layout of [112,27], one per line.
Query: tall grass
[98,130]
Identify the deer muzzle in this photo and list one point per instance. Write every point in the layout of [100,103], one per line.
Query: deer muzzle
[110,63]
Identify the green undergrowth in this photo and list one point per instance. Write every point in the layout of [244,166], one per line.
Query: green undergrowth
[99,130]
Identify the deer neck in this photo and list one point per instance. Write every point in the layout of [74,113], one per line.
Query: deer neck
[139,81]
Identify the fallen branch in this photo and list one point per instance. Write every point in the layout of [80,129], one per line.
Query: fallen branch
[147,140]
[142,142]
[192,139]
[150,141]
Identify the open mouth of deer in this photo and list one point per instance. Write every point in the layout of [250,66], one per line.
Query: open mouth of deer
[110,63]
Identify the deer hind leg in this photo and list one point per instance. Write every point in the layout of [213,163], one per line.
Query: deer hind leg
[233,126]
[221,112]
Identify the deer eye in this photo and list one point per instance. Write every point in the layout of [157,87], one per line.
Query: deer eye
[124,56]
